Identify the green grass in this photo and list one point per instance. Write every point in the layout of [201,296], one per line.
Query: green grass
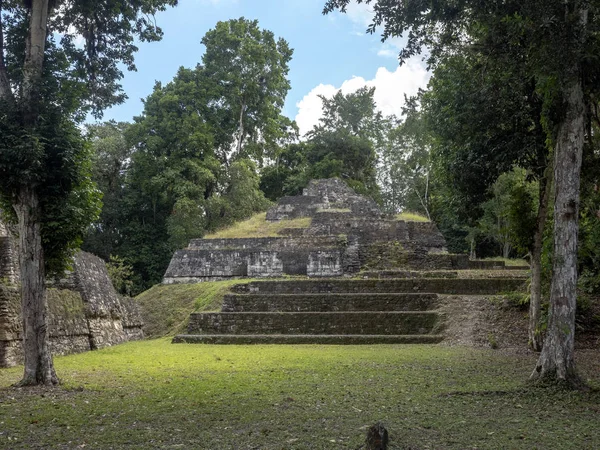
[411,217]
[257,226]
[509,261]
[166,308]
[154,395]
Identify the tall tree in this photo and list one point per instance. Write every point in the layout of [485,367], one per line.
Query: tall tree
[45,86]
[559,37]
[249,68]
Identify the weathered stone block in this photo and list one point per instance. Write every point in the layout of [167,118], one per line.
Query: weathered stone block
[265,264]
[325,263]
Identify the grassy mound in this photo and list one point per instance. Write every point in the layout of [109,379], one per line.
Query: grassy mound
[257,226]
[166,308]
[153,394]
[411,217]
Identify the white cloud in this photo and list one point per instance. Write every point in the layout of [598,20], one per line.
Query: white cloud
[360,13]
[387,53]
[390,89]
[309,108]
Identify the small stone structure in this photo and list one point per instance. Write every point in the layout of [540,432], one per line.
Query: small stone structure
[345,226]
[85,312]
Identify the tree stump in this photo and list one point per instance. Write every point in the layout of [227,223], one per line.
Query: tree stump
[377,437]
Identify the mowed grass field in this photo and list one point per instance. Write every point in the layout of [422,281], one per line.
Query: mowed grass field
[156,395]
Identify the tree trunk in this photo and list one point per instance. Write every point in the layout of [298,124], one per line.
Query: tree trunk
[241,130]
[556,362]
[39,368]
[535,303]
[34,61]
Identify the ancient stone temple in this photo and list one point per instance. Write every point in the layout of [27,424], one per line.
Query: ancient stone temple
[85,312]
[343,234]
[362,277]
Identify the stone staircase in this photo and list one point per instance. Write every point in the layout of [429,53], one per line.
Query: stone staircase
[337,311]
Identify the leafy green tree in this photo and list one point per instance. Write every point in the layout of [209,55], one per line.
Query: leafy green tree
[405,163]
[509,216]
[289,174]
[559,40]
[343,143]
[47,84]
[249,69]
[111,156]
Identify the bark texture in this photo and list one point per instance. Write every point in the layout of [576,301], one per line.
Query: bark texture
[556,362]
[39,368]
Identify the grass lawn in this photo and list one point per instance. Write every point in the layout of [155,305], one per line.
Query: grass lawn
[257,226]
[153,394]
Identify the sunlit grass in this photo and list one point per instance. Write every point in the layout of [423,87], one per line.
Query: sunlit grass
[166,308]
[257,226]
[154,394]
[411,217]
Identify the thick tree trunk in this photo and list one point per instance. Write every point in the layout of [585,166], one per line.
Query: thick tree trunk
[556,362]
[536,339]
[39,368]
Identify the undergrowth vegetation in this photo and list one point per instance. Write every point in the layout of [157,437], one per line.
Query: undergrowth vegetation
[153,394]
[257,226]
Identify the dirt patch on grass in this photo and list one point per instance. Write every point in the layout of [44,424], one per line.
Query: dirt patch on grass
[497,322]
[484,321]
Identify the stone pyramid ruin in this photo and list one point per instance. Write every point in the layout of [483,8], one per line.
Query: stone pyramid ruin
[344,227]
[362,276]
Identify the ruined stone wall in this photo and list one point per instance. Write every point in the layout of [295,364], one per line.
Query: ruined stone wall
[218,259]
[84,313]
[9,268]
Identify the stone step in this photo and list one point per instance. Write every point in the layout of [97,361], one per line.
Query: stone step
[329,302]
[335,339]
[470,286]
[386,323]
[463,274]
[399,273]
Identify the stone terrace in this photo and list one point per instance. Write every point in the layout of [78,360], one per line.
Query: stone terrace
[372,279]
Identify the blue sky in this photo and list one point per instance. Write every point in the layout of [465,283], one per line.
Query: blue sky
[330,52]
